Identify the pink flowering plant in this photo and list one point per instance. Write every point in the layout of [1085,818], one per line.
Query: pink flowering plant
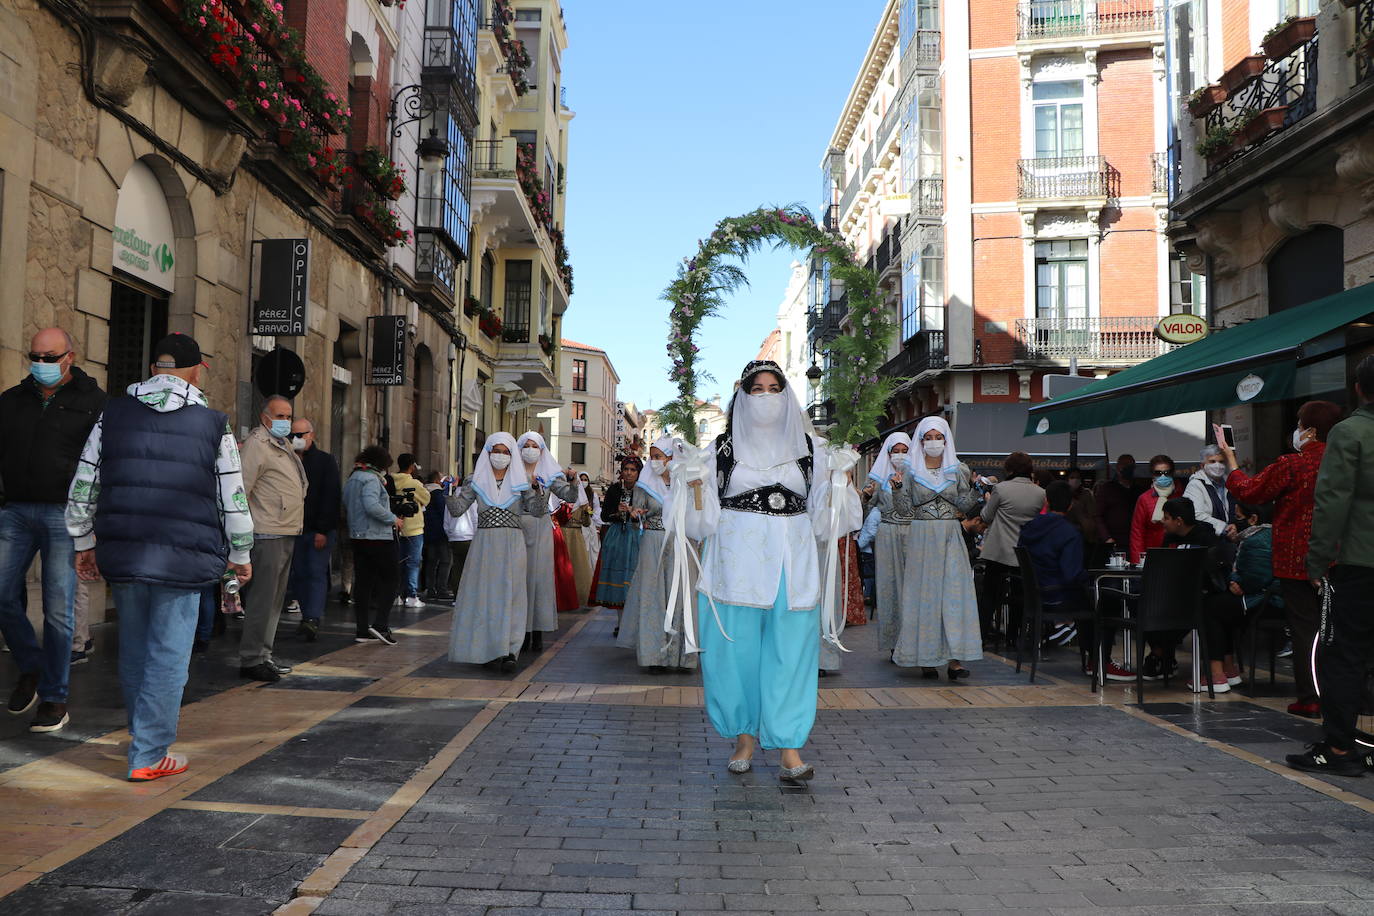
[854,382]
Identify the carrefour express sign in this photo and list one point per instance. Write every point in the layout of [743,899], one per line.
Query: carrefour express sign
[143,238]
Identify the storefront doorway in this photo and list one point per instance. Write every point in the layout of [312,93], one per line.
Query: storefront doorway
[138,319]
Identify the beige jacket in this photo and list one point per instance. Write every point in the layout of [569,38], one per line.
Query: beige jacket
[275,482]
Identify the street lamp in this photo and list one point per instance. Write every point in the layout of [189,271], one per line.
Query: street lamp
[415,103]
[814,376]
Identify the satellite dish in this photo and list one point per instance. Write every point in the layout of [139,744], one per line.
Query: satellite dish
[280,372]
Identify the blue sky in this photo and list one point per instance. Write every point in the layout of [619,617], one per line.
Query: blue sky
[687,113]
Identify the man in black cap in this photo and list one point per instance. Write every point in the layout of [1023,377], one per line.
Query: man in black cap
[43,422]
[157,507]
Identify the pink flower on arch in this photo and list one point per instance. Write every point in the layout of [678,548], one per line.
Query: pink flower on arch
[230,104]
[261,84]
[264,103]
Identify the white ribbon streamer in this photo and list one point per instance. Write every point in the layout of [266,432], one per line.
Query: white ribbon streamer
[688,464]
[844,501]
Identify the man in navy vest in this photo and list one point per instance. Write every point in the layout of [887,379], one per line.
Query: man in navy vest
[157,507]
[44,420]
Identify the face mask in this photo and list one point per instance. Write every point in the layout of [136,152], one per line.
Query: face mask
[531,454]
[656,466]
[1163,482]
[415,470]
[1298,441]
[933,447]
[281,428]
[299,444]
[499,461]
[46,374]
[768,408]
[1214,469]
[900,460]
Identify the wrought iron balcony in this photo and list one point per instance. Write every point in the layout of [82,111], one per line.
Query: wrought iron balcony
[446,57]
[851,191]
[515,332]
[924,352]
[434,263]
[1043,19]
[1159,169]
[1066,177]
[1110,340]
[494,156]
[889,251]
[824,324]
[830,222]
[1364,34]
[1271,100]
[930,197]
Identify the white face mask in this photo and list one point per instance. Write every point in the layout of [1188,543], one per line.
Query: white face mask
[300,445]
[656,465]
[499,461]
[933,447]
[769,408]
[900,460]
[1298,440]
[531,453]
[1215,469]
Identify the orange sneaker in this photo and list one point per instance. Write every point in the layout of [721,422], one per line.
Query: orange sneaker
[169,765]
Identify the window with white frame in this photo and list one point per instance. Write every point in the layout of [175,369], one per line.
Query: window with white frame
[1187,290]
[1061,278]
[1058,115]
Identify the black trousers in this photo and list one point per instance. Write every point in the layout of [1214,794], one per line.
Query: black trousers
[995,577]
[1341,666]
[1222,614]
[438,559]
[459,551]
[376,577]
[1303,607]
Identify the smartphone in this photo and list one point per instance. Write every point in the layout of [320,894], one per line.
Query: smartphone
[1230,435]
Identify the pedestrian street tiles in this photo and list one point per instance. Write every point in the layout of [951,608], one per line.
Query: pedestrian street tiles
[380,779]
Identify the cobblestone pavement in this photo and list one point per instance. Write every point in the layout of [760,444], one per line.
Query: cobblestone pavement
[379,780]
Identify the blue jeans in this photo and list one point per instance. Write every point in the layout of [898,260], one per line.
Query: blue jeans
[309,581]
[411,550]
[28,529]
[157,625]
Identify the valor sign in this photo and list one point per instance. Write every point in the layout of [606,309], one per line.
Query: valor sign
[388,335]
[281,279]
[1181,329]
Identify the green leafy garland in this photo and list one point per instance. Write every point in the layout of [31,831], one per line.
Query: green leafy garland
[854,381]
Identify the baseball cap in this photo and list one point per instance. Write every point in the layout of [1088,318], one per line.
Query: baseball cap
[177,351]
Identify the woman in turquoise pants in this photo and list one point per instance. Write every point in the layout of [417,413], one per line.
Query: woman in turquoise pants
[761,579]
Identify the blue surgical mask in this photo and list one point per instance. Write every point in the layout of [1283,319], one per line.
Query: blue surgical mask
[46,374]
[1164,482]
[281,428]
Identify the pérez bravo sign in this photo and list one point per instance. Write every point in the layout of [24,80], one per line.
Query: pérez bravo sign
[1181,329]
[143,237]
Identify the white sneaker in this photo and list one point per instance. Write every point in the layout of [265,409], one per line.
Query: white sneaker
[415,601]
[293,607]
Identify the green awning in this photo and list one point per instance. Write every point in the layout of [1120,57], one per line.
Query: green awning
[1245,364]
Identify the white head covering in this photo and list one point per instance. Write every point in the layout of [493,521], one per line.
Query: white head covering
[546,467]
[484,478]
[882,466]
[759,443]
[949,461]
[651,482]
[586,496]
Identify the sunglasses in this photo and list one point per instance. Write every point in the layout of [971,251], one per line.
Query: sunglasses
[47,357]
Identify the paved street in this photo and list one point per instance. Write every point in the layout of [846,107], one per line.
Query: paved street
[379,780]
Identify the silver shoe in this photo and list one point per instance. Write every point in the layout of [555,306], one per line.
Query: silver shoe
[796,774]
[739,766]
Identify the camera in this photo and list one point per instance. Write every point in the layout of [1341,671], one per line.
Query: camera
[404,505]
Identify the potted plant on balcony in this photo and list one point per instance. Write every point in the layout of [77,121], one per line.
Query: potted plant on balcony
[546,344]
[472,306]
[1286,37]
[1244,71]
[1261,124]
[489,324]
[1217,145]
[1205,99]
[385,176]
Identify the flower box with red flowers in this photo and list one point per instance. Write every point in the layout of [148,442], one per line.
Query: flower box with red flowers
[489,324]
[386,178]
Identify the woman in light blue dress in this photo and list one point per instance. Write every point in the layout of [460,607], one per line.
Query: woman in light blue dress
[939,608]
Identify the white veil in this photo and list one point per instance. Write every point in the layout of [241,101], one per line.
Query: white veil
[882,466]
[546,467]
[651,482]
[484,479]
[761,444]
[949,461]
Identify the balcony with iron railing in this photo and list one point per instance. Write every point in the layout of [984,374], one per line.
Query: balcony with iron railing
[924,352]
[1159,173]
[830,220]
[1128,339]
[446,57]
[1257,98]
[930,197]
[1039,20]
[850,193]
[825,323]
[1067,178]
